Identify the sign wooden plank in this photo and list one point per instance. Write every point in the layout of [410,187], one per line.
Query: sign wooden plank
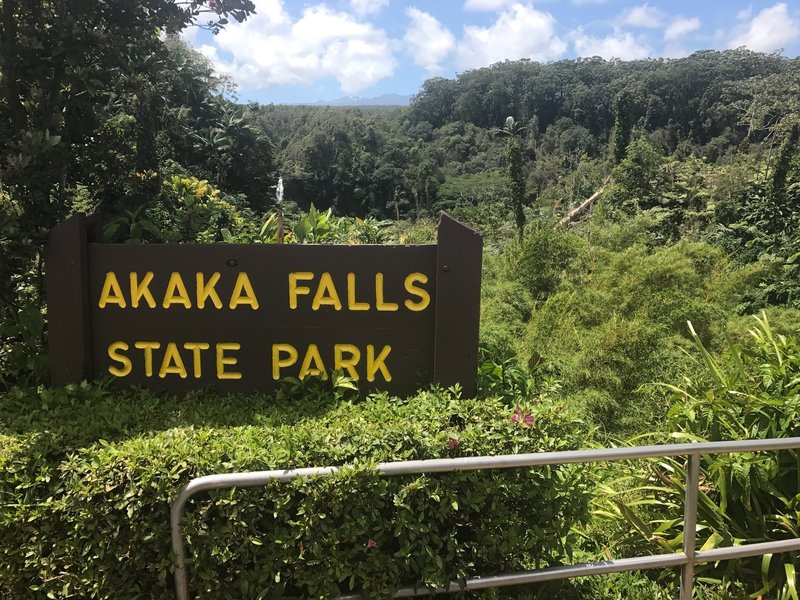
[458,292]
[66,286]
[239,318]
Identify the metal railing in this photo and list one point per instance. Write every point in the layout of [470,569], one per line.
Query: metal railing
[687,559]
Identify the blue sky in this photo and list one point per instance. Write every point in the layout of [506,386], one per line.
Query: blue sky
[295,51]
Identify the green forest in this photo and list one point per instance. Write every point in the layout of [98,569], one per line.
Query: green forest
[641,285]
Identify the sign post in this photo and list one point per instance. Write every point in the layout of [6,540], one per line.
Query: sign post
[240,318]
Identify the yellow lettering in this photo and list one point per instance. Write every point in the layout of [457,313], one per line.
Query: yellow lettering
[379,303]
[176,292]
[111,293]
[113,354]
[172,362]
[196,347]
[278,363]
[375,364]
[223,360]
[312,355]
[243,293]
[206,291]
[141,290]
[424,296]
[148,348]
[351,294]
[339,362]
[296,290]
[326,294]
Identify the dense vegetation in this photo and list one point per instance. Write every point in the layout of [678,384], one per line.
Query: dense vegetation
[585,308]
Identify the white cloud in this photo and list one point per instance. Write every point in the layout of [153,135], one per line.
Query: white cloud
[519,32]
[621,44]
[644,15]
[210,52]
[486,4]
[428,41]
[368,7]
[271,49]
[771,29]
[680,26]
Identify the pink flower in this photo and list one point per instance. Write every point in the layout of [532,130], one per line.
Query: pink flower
[452,443]
[522,417]
[371,543]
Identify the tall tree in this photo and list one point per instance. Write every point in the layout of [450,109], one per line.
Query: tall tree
[623,125]
[62,63]
[66,67]
[783,165]
[515,163]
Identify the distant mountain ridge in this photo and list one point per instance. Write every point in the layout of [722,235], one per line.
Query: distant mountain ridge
[382,100]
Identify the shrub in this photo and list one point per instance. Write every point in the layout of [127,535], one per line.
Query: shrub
[540,260]
[23,359]
[505,308]
[612,230]
[22,336]
[619,325]
[749,392]
[86,477]
[782,321]
[192,210]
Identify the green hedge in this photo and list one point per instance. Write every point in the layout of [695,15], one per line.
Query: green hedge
[87,477]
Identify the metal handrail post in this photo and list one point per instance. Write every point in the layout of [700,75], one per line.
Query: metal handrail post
[690,524]
[217,482]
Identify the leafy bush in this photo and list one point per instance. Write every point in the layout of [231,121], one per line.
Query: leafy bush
[22,331]
[750,392]
[198,212]
[638,178]
[86,477]
[758,223]
[540,260]
[321,227]
[187,210]
[23,360]
[782,321]
[505,308]
[617,324]
[422,231]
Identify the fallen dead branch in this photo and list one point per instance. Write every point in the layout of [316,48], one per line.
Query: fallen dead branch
[586,204]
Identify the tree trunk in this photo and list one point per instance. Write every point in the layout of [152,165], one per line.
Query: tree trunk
[586,204]
[7,64]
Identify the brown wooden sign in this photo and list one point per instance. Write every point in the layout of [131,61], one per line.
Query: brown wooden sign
[242,317]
